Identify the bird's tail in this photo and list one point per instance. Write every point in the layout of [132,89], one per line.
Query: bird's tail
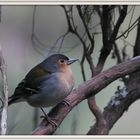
[11,100]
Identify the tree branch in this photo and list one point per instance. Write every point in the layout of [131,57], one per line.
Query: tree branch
[118,24]
[137,47]
[124,97]
[107,45]
[134,24]
[85,26]
[120,102]
[104,24]
[85,90]
[3,69]
[101,127]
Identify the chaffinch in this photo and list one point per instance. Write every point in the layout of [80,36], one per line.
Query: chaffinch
[46,84]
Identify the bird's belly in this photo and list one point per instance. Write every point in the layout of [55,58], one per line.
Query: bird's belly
[50,93]
[45,100]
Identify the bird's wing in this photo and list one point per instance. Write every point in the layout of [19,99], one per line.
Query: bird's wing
[33,79]
[36,73]
[29,85]
[19,92]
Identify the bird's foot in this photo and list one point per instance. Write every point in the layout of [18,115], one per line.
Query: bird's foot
[65,102]
[48,119]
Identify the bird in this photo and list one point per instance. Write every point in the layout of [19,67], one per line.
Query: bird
[47,84]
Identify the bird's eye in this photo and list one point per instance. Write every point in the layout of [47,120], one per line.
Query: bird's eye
[62,61]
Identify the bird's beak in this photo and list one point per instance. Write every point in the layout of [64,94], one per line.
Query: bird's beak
[70,61]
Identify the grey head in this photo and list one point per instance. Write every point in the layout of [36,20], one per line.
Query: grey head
[56,62]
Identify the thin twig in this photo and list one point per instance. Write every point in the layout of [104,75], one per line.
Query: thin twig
[136,47]
[135,23]
[62,40]
[82,67]
[70,28]
[132,15]
[84,23]
[117,53]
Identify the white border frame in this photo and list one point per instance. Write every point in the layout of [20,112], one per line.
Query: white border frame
[70,2]
[72,137]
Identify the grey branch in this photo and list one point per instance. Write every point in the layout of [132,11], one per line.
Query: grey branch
[3,69]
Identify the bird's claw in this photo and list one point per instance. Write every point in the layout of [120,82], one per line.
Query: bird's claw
[53,123]
[65,102]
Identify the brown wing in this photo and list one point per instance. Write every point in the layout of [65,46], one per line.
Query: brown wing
[35,73]
[28,86]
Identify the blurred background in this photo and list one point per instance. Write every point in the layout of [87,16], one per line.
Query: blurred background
[28,34]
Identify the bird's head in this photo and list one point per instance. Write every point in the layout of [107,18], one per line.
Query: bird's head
[58,62]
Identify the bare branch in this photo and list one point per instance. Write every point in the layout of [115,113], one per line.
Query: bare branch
[34,38]
[120,102]
[104,24]
[117,53]
[135,23]
[124,97]
[62,40]
[3,69]
[137,47]
[85,25]
[122,16]
[101,125]
[70,28]
[91,101]
[107,44]
[82,67]
[132,15]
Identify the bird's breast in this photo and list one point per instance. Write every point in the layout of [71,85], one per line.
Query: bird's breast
[52,90]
